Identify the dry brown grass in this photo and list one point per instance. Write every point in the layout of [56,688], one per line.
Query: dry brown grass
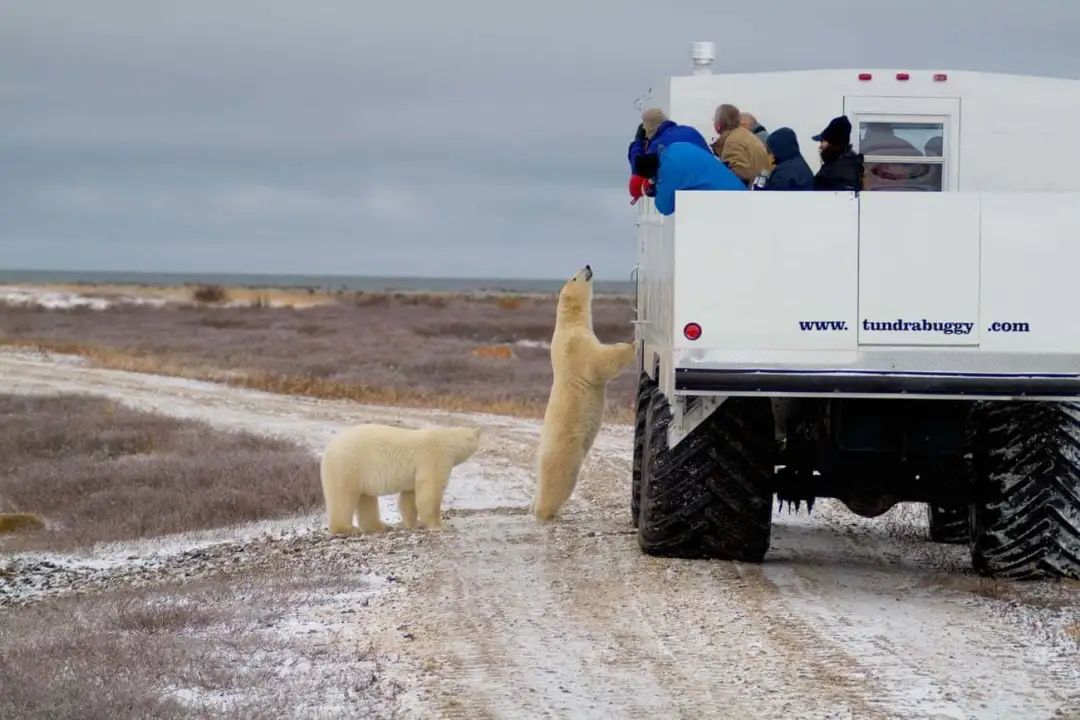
[415,350]
[97,471]
[509,302]
[365,299]
[496,352]
[98,666]
[433,300]
[17,521]
[209,294]
[184,651]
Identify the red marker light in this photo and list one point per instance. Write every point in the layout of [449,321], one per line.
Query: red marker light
[692,331]
[865,76]
[940,77]
[903,76]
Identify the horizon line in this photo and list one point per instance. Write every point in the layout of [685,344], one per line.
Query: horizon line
[297,274]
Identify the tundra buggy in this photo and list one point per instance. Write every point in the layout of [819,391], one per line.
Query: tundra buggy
[915,342]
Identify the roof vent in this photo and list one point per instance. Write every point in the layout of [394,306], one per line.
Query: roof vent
[702,55]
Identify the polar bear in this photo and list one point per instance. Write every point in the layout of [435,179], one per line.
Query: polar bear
[365,461]
[583,367]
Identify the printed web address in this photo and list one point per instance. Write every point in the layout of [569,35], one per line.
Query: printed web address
[924,326]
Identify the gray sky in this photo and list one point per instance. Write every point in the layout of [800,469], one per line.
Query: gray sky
[468,138]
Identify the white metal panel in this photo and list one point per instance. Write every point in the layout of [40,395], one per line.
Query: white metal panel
[919,269]
[656,241]
[1031,273]
[993,134]
[766,271]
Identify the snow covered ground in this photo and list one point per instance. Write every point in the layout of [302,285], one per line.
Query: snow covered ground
[501,617]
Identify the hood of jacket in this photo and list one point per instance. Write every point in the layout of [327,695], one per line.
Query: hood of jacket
[783,144]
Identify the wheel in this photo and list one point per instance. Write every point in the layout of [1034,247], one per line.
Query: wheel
[711,495]
[646,390]
[948,523]
[1024,459]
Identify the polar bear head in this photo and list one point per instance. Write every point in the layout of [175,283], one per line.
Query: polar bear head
[461,442]
[575,299]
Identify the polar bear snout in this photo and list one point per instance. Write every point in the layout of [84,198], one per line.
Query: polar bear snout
[583,275]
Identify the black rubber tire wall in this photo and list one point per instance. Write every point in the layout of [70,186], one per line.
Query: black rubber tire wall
[1025,465]
[646,391]
[710,497]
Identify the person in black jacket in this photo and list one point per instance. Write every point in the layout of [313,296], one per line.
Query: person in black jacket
[841,168]
[791,171]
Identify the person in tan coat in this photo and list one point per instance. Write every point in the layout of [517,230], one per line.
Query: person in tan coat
[737,147]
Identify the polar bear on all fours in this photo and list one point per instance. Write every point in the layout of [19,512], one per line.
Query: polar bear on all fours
[583,367]
[365,461]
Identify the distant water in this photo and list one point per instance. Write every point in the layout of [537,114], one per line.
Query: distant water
[319,282]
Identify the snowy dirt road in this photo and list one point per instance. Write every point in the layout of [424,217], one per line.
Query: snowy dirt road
[501,617]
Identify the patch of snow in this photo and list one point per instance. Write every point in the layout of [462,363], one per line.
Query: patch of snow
[537,344]
[62,300]
[885,595]
[316,643]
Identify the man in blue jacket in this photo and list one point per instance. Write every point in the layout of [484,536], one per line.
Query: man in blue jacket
[657,132]
[684,166]
[791,171]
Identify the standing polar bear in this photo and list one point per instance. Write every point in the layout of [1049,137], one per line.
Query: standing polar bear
[365,461]
[583,367]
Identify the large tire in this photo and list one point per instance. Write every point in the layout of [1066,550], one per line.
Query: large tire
[646,391]
[710,496]
[1025,465]
[948,523]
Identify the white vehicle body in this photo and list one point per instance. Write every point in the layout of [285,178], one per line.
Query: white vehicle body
[969,293]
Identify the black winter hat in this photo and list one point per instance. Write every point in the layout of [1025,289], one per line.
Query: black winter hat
[646,165]
[838,132]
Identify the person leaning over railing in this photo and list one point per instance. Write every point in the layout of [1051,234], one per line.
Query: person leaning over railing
[657,132]
[737,147]
[683,166]
[654,134]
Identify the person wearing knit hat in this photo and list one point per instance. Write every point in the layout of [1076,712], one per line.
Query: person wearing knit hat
[650,121]
[656,131]
[841,168]
[837,132]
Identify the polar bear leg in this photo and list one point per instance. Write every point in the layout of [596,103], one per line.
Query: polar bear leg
[558,475]
[611,360]
[407,507]
[339,516]
[367,514]
[430,484]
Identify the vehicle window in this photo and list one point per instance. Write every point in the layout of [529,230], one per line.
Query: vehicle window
[900,138]
[903,177]
[903,156]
